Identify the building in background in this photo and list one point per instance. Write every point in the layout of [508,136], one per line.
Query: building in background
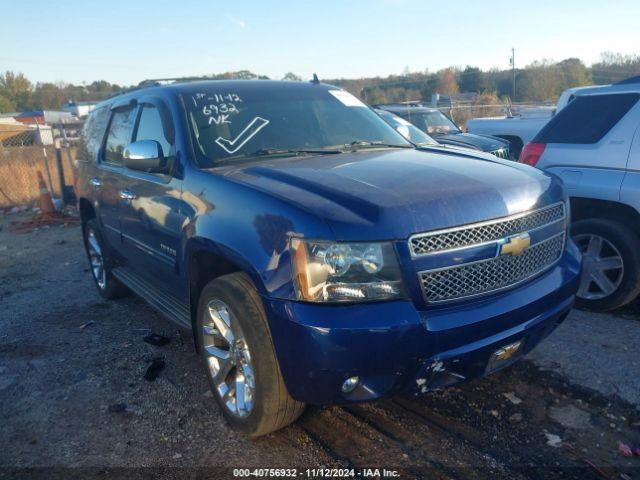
[79,109]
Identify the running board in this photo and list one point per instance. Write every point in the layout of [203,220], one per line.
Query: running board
[171,307]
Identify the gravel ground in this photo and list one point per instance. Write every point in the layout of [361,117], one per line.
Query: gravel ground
[74,404]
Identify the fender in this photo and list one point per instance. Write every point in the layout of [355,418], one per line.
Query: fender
[248,229]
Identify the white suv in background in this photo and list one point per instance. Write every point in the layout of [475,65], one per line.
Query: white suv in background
[593,144]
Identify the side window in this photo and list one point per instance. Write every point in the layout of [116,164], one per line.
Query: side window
[151,127]
[587,119]
[92,134]
[119,135]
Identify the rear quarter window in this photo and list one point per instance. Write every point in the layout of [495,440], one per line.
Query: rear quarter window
[92,134]
[587,118]
[119,135]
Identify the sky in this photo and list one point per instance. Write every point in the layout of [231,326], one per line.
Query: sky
[126,42]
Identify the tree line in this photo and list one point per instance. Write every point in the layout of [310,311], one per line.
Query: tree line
[540,81]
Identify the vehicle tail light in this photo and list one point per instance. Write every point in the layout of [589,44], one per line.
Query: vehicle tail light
[531,153]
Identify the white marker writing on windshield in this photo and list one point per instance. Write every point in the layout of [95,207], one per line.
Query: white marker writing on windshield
[232,146]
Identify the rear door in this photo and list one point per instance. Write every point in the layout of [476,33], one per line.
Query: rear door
[111,181]
[152,215]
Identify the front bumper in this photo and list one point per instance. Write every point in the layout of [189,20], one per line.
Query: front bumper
[393,347]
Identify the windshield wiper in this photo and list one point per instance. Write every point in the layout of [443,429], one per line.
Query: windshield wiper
[265,152]
[358,144]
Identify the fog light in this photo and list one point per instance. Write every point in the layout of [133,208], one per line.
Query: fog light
[350,384]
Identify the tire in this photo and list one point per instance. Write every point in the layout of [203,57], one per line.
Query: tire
[269,406]
[108,286]
[616,241]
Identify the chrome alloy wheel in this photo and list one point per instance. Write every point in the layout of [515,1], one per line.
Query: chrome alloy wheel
[96,259]
[602,267]
[228,358]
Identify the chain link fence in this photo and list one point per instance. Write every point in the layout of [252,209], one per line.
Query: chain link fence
[27,150]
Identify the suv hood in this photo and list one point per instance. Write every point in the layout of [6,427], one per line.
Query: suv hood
[391,194]
[470,140]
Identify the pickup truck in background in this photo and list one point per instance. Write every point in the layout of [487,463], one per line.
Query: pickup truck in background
[519,129]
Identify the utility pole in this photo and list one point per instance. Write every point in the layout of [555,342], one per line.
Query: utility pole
[513,71]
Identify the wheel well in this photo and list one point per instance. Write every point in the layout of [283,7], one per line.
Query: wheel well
[582,208]
[86,210]
[205,266]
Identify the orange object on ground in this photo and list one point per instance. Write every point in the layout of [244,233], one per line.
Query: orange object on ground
[46,203]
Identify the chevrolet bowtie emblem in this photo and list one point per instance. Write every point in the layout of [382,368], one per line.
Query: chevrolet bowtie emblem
[507,352]
[515,244]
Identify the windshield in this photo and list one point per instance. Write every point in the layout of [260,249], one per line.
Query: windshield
[406,129]
[232,122]
[434,123]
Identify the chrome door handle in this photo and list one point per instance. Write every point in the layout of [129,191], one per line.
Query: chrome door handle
[96,182]
[127,195]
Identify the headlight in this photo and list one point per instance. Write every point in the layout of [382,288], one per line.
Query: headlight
[345,272]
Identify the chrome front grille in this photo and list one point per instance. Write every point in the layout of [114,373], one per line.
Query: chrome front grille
[501,153]
[494,274]
[479,233]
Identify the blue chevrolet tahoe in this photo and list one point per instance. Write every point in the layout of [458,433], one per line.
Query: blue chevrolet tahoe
[316,255]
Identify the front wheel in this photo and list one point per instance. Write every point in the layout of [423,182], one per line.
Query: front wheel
[610,263]
[239,357]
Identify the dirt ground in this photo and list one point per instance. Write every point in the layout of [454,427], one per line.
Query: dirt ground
[74,403]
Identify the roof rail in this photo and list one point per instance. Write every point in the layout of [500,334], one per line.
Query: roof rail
[157,82]
[628,81]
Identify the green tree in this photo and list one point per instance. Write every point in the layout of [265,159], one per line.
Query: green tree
[542,80]
[48,96]
[17,88]
[6,105]
[472,80]
[429,87]
[575,73]
[292,77]
[447,83]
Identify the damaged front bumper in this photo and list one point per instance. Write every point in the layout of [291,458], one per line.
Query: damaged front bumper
[392,347]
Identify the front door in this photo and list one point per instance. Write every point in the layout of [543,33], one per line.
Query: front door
[111,181]
[152,217]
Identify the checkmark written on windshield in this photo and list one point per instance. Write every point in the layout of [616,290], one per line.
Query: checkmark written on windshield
[232,146]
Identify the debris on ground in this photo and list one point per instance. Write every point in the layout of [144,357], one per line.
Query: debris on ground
[19,209]
[156,339]
[85,325]
[42,220]
[627,450]
[154,369]
[586,461]
[515,418]
[512,398]
[553,440]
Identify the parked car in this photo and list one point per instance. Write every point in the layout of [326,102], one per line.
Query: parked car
[444,131]
[593,145]
[405,128]
[319,257]
[521,128]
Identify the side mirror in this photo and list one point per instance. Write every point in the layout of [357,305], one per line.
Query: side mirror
[145,156]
